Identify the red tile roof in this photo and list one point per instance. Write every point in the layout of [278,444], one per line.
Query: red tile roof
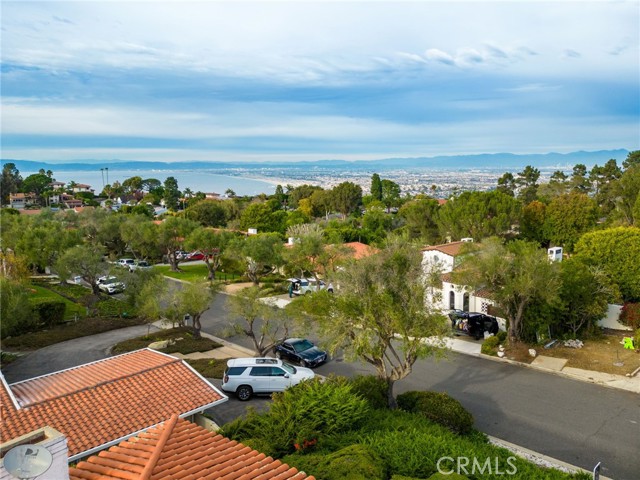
[180,450]
[102,402]
[361,250]
[452,248]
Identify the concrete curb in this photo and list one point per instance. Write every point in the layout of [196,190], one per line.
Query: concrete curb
[538,458]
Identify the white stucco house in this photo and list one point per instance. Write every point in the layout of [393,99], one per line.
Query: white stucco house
[441,261]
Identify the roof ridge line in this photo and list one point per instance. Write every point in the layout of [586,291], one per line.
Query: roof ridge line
[75,367]
[100,384]
[162,441]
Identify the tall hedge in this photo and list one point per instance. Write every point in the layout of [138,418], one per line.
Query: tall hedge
[50,312]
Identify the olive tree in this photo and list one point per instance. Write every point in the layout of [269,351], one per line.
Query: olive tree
[379,314]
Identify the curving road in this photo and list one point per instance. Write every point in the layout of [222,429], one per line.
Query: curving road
[579,423]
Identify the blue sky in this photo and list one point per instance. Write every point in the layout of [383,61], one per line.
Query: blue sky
[277,80]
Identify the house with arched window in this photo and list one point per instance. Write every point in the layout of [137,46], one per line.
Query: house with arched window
[438,263]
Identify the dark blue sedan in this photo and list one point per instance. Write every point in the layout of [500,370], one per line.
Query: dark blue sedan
[300,351]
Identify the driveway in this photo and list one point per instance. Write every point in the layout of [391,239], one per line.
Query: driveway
[69,354]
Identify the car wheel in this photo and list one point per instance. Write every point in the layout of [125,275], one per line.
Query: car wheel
[244,393]
[304,363]
[278,354]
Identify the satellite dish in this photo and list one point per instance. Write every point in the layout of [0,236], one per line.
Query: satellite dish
[27,461]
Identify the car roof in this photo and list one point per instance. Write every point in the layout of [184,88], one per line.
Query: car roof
[247,362]
[296,340]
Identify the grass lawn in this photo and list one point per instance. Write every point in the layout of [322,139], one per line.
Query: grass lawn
[188,344]
[209,368]
[195,273]
[38,293]
[81,328]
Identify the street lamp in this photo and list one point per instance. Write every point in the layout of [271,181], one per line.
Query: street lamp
[102,172]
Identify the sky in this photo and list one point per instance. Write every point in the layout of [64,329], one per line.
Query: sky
[302,80]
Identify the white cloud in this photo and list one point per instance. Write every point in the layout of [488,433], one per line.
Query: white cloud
[439,56]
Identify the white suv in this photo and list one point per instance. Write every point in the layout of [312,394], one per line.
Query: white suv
[246,376]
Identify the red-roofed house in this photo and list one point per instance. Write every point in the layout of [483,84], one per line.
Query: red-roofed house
[99,404]
[177,450]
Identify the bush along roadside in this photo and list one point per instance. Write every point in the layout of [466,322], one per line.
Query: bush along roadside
[330,431]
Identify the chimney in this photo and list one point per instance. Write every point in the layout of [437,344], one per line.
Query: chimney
[252,231]
[467,240]
[555,254]
[291,240]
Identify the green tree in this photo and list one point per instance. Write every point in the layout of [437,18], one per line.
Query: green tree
[17,313]
[375,224]
[308,254]
[420,216]
[209,213]
[85,261]
[171,234]
[259,254]
[10,182]
[379,314]
[212,244]
[194,299]
[527,182]
[171,194]
[43,243]
[569,216]
[132,184]
[347,197]
[300,192]
[579,179]
[321,203]
[507,184]
[390,194]
[532,222]
[262,217]
[266,326]
[478,215]
[140,235]
[518,276]
[36,184]
[584,294]
[604,181]
[633,158]
[617,252]
[376,187]
[628,193]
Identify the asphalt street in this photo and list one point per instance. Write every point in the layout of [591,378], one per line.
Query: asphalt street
[576,422]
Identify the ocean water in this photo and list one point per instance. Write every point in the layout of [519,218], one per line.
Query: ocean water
[196,180]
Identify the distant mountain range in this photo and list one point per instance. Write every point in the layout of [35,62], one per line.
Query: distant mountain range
[504,161]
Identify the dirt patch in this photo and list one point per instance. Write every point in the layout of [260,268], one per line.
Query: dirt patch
[598,354]
[236,287]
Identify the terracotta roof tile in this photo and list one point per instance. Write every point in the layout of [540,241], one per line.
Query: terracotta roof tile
[452,248]
[102,402]
[361,250]
[180,450]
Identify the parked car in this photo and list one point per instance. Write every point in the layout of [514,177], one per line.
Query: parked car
[140,265]
[125,262]
[194,256]
[473,324]
[110,285]
[302,286]
[248,376]
[181,254]
[301,351]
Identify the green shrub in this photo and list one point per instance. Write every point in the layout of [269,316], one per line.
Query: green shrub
[403,477]
[303,414]
[355,462]
[447,476]
[111,307]
[440,408]
[490,345]
[636,339]
[50,312]
[502,336]
[372,388]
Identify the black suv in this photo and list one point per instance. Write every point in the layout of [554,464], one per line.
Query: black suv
[301,351]
[473,324]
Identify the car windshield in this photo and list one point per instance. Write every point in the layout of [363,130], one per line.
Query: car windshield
[288,368]
[302,345]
